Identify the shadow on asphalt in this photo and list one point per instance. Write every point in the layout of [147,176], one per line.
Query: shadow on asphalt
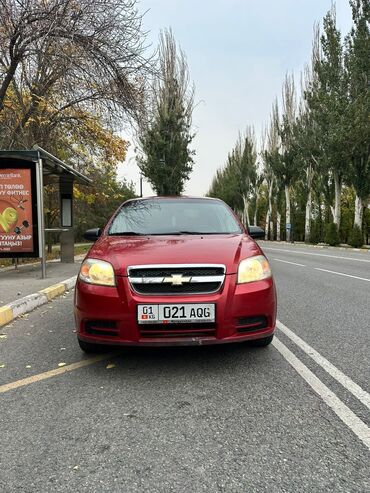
[190,357]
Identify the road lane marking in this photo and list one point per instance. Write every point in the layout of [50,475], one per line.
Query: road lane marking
[315,254]
[286,262]
[349,418]
[52,373]
[341,274]
[333,371]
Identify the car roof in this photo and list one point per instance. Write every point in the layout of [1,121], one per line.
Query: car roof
[174,197]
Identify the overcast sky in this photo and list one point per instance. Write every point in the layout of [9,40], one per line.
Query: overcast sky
[238,53]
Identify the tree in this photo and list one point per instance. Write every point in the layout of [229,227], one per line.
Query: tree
[327,99]
[236,182]
[287,166]
[58,65]
[69,87]
[242,167]
[307,138]
[96,203]
[271,160]
[317,153]
[357,64]
[65,42]
[165,134]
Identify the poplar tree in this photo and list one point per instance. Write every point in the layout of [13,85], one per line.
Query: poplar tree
[357,131]
[165,135]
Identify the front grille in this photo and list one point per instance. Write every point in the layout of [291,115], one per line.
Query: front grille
[207,329]
[168,271]
[173,279]
[196,288]
[251,324]
[101,328]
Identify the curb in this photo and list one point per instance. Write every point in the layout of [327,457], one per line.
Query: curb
[24,305]
[78,257]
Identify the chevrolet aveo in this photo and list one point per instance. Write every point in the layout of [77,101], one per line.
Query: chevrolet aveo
[174,271]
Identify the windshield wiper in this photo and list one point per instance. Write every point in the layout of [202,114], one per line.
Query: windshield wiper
[200,233]
[181,233]
[127,233]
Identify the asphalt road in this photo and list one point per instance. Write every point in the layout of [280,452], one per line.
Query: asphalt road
[287,418]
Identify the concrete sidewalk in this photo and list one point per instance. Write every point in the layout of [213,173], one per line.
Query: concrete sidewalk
[23,290]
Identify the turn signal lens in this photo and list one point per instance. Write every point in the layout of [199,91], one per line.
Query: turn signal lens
[253,269]
[97,272]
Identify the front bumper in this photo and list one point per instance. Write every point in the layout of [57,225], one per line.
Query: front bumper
[116,307]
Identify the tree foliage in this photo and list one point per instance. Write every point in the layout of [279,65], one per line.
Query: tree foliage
[237,181]
[316,150]
[72,75]
[165,134]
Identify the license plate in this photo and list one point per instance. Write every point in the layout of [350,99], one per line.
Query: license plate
[187,313]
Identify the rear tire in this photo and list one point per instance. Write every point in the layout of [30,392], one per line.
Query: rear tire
[262,342]
[89,348]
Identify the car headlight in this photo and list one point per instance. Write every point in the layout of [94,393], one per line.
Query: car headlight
[97,272]
[253,269]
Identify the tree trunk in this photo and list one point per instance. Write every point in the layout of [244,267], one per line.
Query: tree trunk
[287,214]
[307,225]
[358,212]
[7,80]
[269,212]
[337,188]
[267,225]
[256,206]
[246,211]
[278,222]
[255,213]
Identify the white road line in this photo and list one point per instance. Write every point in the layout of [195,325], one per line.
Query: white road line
[286,262]
[354,423]
[341,274]
[315,254]
[333,371]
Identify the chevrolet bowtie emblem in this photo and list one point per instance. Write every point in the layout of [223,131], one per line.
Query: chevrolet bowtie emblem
[176,279]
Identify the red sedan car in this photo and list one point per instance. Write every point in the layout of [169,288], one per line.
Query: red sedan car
[174,271]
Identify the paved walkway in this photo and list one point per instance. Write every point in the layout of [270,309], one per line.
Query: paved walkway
[15,284]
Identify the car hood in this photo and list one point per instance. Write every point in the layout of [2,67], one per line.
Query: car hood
[123,251]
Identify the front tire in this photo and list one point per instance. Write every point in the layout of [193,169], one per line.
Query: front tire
[89,348]
[262,342]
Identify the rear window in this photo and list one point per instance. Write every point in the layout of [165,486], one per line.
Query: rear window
[174,217]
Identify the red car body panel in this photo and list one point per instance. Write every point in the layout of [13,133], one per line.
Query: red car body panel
[118,305]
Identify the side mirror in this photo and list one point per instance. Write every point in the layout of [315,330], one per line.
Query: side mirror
[92,234]
[256,232]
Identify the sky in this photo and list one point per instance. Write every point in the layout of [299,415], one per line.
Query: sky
[238,53]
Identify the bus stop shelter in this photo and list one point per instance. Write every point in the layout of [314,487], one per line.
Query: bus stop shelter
[23,175]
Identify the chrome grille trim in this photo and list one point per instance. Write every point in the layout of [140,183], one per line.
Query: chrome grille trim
[160,281]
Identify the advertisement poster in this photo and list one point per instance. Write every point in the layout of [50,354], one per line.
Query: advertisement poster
[17,229]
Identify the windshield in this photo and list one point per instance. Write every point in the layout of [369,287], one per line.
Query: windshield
[171,217]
